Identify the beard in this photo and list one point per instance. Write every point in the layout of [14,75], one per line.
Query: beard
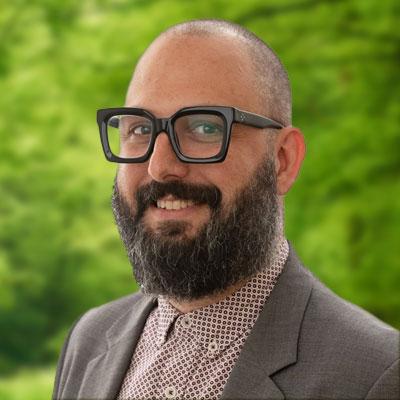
[232,246]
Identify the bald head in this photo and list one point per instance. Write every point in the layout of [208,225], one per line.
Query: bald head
[253,73]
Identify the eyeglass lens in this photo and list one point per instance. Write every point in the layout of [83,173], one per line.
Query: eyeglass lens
[196,135]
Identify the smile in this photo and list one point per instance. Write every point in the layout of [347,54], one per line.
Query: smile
[174,204]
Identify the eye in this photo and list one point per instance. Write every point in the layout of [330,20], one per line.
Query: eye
[139,130]
[199,128]
[206,128]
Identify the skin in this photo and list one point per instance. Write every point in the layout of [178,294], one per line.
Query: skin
[174,73]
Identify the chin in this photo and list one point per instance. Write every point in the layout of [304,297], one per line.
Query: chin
[174,230]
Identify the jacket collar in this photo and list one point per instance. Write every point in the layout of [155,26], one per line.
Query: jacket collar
[271,345]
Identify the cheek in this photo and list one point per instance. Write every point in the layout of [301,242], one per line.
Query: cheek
[129,178]
[242,161]
[230,177]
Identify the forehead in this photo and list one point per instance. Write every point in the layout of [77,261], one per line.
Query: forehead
[180,71]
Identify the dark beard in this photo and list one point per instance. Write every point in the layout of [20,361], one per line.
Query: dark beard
[225,251]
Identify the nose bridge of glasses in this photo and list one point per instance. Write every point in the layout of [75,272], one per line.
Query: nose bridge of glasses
[161,125]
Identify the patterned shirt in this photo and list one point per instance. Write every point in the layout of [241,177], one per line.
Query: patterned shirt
[190,356]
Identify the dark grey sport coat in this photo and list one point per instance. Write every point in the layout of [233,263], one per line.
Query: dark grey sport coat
[307,343]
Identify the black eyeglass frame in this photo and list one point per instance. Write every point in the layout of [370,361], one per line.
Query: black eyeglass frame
[229,115]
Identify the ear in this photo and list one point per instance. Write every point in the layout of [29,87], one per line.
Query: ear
[290,149]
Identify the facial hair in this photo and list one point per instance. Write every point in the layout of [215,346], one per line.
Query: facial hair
[234,245]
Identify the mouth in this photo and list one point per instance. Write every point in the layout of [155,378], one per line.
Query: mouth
[174,204]
[171,208]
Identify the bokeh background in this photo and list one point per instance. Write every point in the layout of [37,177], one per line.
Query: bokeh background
[60,253]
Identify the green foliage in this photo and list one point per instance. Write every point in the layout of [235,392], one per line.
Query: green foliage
[29,384]
[59,61]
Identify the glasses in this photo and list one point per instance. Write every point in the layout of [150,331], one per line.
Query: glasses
[197,134]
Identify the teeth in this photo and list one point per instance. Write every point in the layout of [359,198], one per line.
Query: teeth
[174,204]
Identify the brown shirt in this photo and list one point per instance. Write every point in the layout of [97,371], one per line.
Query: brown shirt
[190,356]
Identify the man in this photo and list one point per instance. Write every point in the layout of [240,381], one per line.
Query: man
[206,153]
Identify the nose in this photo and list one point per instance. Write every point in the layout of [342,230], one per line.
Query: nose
[164,165]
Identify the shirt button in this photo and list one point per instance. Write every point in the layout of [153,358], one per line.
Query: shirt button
[170,392]
[186,322]
[212,348]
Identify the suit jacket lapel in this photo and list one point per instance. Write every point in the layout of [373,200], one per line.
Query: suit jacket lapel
[272,343]
[105,373]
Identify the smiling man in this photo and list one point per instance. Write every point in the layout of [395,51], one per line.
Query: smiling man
[206,154]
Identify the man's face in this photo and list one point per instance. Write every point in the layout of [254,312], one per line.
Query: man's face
[185,72]
[180,73]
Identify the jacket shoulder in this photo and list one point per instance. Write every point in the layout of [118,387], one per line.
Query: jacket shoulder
[341,342]
[351,324]
[96,321]
[342,350]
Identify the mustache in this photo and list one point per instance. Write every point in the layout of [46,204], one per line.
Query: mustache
[148,194]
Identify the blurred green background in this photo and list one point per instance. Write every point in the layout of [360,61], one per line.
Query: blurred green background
[60,253]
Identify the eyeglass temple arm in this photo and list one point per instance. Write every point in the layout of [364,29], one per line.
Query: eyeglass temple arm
[255,120]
